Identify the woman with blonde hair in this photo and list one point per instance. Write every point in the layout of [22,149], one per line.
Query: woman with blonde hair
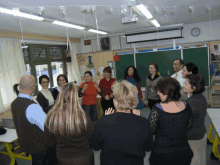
[124,136]
[68,128]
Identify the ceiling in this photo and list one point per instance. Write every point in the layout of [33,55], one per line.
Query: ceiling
[110,23]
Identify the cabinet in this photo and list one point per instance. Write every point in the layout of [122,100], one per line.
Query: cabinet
[214,92]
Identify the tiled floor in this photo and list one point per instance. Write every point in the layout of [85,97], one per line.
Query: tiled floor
[5,160]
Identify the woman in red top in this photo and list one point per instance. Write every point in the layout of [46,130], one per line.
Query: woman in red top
[105,85]
[88,91]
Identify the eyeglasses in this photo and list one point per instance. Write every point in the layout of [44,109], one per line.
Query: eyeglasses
[46,82]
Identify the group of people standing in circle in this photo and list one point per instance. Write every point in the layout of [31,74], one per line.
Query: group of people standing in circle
[74,130]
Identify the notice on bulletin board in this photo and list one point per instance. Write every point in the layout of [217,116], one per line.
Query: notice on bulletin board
[101,68]
[93,72]
[113,74]
[83,70]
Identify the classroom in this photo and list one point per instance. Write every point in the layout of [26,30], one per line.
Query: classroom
[48,39]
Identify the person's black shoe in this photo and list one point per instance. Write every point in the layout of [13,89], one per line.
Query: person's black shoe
[212,155]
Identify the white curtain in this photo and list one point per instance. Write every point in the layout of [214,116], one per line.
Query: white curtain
[75,69]
[12,67]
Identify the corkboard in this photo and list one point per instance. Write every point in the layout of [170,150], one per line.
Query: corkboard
[98,59]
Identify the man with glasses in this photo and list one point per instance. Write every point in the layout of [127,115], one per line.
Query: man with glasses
[29,119]
[178,68]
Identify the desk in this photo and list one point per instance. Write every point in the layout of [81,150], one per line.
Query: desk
[9,137]
[214,115]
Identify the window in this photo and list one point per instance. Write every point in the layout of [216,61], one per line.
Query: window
[28,69]
[46,59]
[67,53]
[55,53]
[26,54]
[57,69]
[40,53]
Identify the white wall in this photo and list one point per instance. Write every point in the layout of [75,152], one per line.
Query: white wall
[207,34]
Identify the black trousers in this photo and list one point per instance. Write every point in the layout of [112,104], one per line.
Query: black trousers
[91,111]
[106,104]
[39,158]
[47,157]
[152,102]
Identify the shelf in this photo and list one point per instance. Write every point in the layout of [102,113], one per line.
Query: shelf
[216,87]
[215,61]
[215,105]
[213,94]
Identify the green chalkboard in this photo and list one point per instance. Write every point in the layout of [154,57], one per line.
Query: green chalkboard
[122,64]
[200,57]
[163,58]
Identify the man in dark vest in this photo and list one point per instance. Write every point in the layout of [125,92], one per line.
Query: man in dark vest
[29,120]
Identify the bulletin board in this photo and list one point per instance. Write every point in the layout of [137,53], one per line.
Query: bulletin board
[99,59]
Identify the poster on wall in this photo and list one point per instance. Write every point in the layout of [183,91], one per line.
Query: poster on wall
[105,43]
[83,69]
[215,49]
[110,63]
[101,68]
[93,72]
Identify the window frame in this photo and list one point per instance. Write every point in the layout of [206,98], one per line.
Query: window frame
[33,61]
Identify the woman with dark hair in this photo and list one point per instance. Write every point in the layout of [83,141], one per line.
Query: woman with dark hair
[61,80]
[105,85]
[197,135]
[15,89]
[151,81]
[88,91]
[45,97]
[132,76]
[189,68]
[68,128]
[170,121]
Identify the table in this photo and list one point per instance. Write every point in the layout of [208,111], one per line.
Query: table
[214,115]
[9,137]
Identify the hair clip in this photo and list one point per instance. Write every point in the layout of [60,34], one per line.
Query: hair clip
[194,81]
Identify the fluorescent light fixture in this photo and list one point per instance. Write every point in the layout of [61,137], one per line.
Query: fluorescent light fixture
[68,25]
[155,23]
[97,31]
[144,11]
[23,47]
[20,14]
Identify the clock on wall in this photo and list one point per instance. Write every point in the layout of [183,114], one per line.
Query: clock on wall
[195,32]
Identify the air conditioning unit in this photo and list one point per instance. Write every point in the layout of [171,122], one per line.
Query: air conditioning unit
[131,19]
